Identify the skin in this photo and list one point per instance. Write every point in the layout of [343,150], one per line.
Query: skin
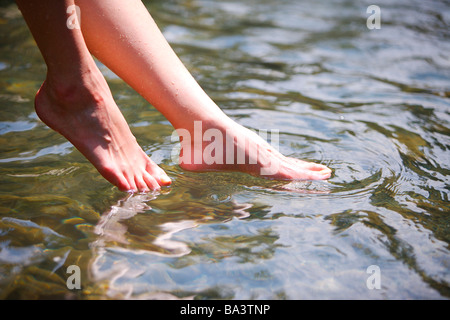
[75,99]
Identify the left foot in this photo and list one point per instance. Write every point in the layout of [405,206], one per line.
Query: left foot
[86,114]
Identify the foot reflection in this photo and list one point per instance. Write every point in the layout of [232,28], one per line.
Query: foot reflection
[112,228]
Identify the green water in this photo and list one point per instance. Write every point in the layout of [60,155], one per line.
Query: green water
[373,105]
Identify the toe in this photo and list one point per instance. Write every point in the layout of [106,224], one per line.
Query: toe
[159,175]
[321,175]
[164,180]
[151,181]
[131,183]
[308,165]
[115,177]
[140,184]
[122,184]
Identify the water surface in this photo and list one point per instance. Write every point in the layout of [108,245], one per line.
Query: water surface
[373,105]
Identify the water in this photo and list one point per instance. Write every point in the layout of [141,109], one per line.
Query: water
[373,105]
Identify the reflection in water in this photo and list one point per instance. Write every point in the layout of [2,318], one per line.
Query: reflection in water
[111,227]
[143,262]
[114,250]
[112,231]
[178,249]
[373,105]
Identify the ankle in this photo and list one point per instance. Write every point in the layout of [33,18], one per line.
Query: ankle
[75,91]
[218,122]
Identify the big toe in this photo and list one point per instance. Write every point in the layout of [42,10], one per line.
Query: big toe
[158,174]
[310,165]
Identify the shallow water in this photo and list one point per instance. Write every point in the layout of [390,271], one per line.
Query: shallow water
[373,105]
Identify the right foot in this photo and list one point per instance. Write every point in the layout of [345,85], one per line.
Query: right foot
[266,161]
[88,117]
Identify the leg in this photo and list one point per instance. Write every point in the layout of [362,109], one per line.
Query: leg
[138,53]
[75,101]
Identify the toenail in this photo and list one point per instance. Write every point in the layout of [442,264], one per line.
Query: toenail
[165,179]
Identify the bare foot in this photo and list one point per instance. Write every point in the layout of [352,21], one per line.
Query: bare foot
[228,146]
[86,114]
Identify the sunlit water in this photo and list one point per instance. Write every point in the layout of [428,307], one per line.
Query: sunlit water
[373,105]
